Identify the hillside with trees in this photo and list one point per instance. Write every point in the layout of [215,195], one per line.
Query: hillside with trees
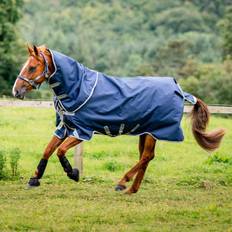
[187,39]
[9,44]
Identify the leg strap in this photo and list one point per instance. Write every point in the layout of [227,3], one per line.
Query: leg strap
[41,168]
[65,164]
[71,173]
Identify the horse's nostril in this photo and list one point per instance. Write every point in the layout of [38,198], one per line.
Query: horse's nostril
[16,93]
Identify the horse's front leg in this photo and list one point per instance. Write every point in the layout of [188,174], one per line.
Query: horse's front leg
[51,147]
[72,173]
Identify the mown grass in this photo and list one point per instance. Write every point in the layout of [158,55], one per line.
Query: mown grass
[185,189]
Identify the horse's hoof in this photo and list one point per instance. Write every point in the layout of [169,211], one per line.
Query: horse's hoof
[120,187]
[33,182]
[31,186]
[130,191]
[74,175]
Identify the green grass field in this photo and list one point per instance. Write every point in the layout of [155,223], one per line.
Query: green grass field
[184,188]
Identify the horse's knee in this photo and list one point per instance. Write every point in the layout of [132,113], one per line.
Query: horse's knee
[61,151]
[47,153]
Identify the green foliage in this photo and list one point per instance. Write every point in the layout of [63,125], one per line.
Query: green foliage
[127,38]
[181,20]
[171,58]
[9,43]
[14,156]
[218,158]
[14,161]
[112,166]
[226,25]
[204,81]
[98,155]
[2,164]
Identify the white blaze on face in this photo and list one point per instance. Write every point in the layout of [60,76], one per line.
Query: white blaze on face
[24,66]
[13,89]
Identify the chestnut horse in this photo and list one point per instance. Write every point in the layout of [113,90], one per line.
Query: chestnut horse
[40,66]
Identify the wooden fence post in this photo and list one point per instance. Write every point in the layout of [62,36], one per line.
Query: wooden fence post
[78,158]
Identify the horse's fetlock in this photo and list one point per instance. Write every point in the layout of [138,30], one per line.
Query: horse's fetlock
[127,179]
[152,156]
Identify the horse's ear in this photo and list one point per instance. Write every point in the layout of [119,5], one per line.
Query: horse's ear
[30,49]
[35,50]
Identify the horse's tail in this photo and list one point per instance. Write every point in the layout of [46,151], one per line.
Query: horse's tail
[200,115]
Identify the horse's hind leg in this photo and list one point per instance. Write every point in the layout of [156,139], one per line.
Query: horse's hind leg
[144,141]
[141,144]
[127,177]
[147,156]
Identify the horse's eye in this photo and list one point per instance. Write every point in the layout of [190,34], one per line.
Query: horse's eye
[31,69]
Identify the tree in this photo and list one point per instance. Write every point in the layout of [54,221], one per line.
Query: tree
[171,58]
[9,43]
[226,25]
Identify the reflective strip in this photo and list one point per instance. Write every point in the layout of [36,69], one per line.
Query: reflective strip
[69,113]
[194,100]
[60,125]
[62,96]
[60,107]
[135,128]
[90,95]
[95,84]
[107,130]
[71,128]
[182,92]
[54,84]
[60,113]
[55,104]
[122,126]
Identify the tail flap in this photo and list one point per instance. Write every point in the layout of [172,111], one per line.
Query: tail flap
[190,98]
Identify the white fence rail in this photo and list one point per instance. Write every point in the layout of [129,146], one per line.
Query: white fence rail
[214,109]
[18,103]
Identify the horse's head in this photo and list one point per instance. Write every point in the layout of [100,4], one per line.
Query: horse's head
[34,72]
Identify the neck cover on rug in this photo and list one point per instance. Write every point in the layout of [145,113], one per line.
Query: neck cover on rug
[72,83]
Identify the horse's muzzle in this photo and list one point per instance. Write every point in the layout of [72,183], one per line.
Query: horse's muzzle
[20,94]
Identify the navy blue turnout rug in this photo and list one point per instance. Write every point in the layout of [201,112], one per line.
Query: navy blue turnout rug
[88,102]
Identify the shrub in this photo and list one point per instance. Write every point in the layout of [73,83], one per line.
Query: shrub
[2,164]
[218,158]
[14,160]
[112,166]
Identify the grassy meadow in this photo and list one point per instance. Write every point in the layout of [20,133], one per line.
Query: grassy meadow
[185,189]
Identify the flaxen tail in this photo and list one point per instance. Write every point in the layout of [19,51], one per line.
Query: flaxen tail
[209,141]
